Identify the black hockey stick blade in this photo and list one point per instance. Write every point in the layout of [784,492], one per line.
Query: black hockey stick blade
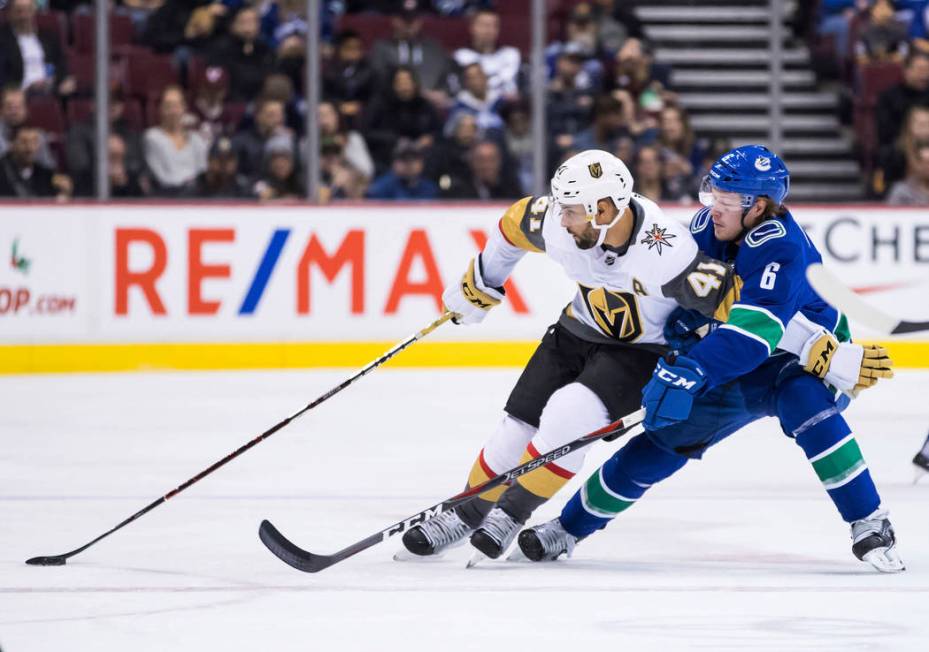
[309,562]
[831,288]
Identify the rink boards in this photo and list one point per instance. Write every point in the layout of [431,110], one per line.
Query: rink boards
[167,286]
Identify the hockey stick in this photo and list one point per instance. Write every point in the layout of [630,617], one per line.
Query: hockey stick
[59,560]
[309,562]
[835,292]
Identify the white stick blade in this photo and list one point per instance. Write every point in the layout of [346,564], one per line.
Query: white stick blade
[840,296]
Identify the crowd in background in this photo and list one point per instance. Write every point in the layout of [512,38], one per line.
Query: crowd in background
[879,49]
[207,99]
[420,99]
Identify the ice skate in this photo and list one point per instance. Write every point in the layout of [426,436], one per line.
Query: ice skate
[546,542]
[435,536]
[495,534]
[921,462]
[873,541]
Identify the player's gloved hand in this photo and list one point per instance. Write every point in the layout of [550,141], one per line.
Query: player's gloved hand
[470,299]
[669,395]
[685,328]
[848,367]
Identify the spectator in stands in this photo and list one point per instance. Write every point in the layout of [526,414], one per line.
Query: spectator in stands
[340,179]
[139,12]
[281,178]
[616,23]
[569,104]
[408,48]
[681,150]
[519,143]
[279,87]
[448,158]
[405,180]
[350,143]
[180,27]
[14,112]
[884,37]
[124,182]
[284,26]
[914,190]
[892,157]
[250,144]
[487,178]
[893,104]
[635,71]
[609,125]
[836,19]
[209,111]
[401,112]
[221,179]
[175,155]
[81,145]
[348,78]
[649,180]
[580,41]
[244,55]
[30,58]
[21,174]
[478,99]
[500,63]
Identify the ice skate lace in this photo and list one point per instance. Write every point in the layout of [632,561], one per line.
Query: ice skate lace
[445,529]
[876,523]
[501,527]
[555,539]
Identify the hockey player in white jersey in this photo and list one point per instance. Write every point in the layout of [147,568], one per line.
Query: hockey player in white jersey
[633,267]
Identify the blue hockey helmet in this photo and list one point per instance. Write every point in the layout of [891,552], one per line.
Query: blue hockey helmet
[752,171]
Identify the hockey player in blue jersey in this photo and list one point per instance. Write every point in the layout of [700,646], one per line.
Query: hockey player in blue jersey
[734,376]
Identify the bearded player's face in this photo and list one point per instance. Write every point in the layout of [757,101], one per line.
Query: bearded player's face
[575,220]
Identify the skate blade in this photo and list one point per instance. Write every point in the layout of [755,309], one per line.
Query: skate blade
[476,559]
[406,555]
[517,555]
[885,560]
[919,474]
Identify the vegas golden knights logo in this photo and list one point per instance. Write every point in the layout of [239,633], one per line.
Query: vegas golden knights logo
[616,313]
[595,170]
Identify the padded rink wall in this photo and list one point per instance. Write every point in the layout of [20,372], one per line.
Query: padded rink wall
[235,286]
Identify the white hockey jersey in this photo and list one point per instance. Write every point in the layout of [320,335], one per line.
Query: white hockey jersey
[624,295]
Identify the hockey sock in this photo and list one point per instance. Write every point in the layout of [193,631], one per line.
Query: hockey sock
[832,450]
[616,485]
[501,452]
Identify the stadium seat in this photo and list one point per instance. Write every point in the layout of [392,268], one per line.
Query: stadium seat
[452,33]
[45,113]
[54,21]
[121,33]
[147,74]
[370,27]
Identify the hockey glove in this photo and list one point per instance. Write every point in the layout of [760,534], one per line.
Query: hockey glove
[685,328]
[669,395]
[470,299]
[846,366]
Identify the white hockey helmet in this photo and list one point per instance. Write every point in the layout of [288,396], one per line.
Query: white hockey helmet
[587,177]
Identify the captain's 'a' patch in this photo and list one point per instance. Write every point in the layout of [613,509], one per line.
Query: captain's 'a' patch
[657,238]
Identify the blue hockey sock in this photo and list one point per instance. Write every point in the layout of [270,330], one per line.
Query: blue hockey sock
[617,485]
[831,448]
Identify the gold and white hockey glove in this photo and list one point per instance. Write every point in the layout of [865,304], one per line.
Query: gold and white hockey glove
[470,299]
[846,366]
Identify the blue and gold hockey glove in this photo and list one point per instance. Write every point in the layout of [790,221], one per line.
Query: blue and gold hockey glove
[669,395]
[685,328]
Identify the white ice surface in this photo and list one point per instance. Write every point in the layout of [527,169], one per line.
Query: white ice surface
[740,551]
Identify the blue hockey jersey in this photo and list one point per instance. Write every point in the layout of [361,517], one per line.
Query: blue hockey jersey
[771,261]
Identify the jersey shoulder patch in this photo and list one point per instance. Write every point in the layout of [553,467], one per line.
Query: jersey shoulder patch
[700,221]
[521,224]
[764,232]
